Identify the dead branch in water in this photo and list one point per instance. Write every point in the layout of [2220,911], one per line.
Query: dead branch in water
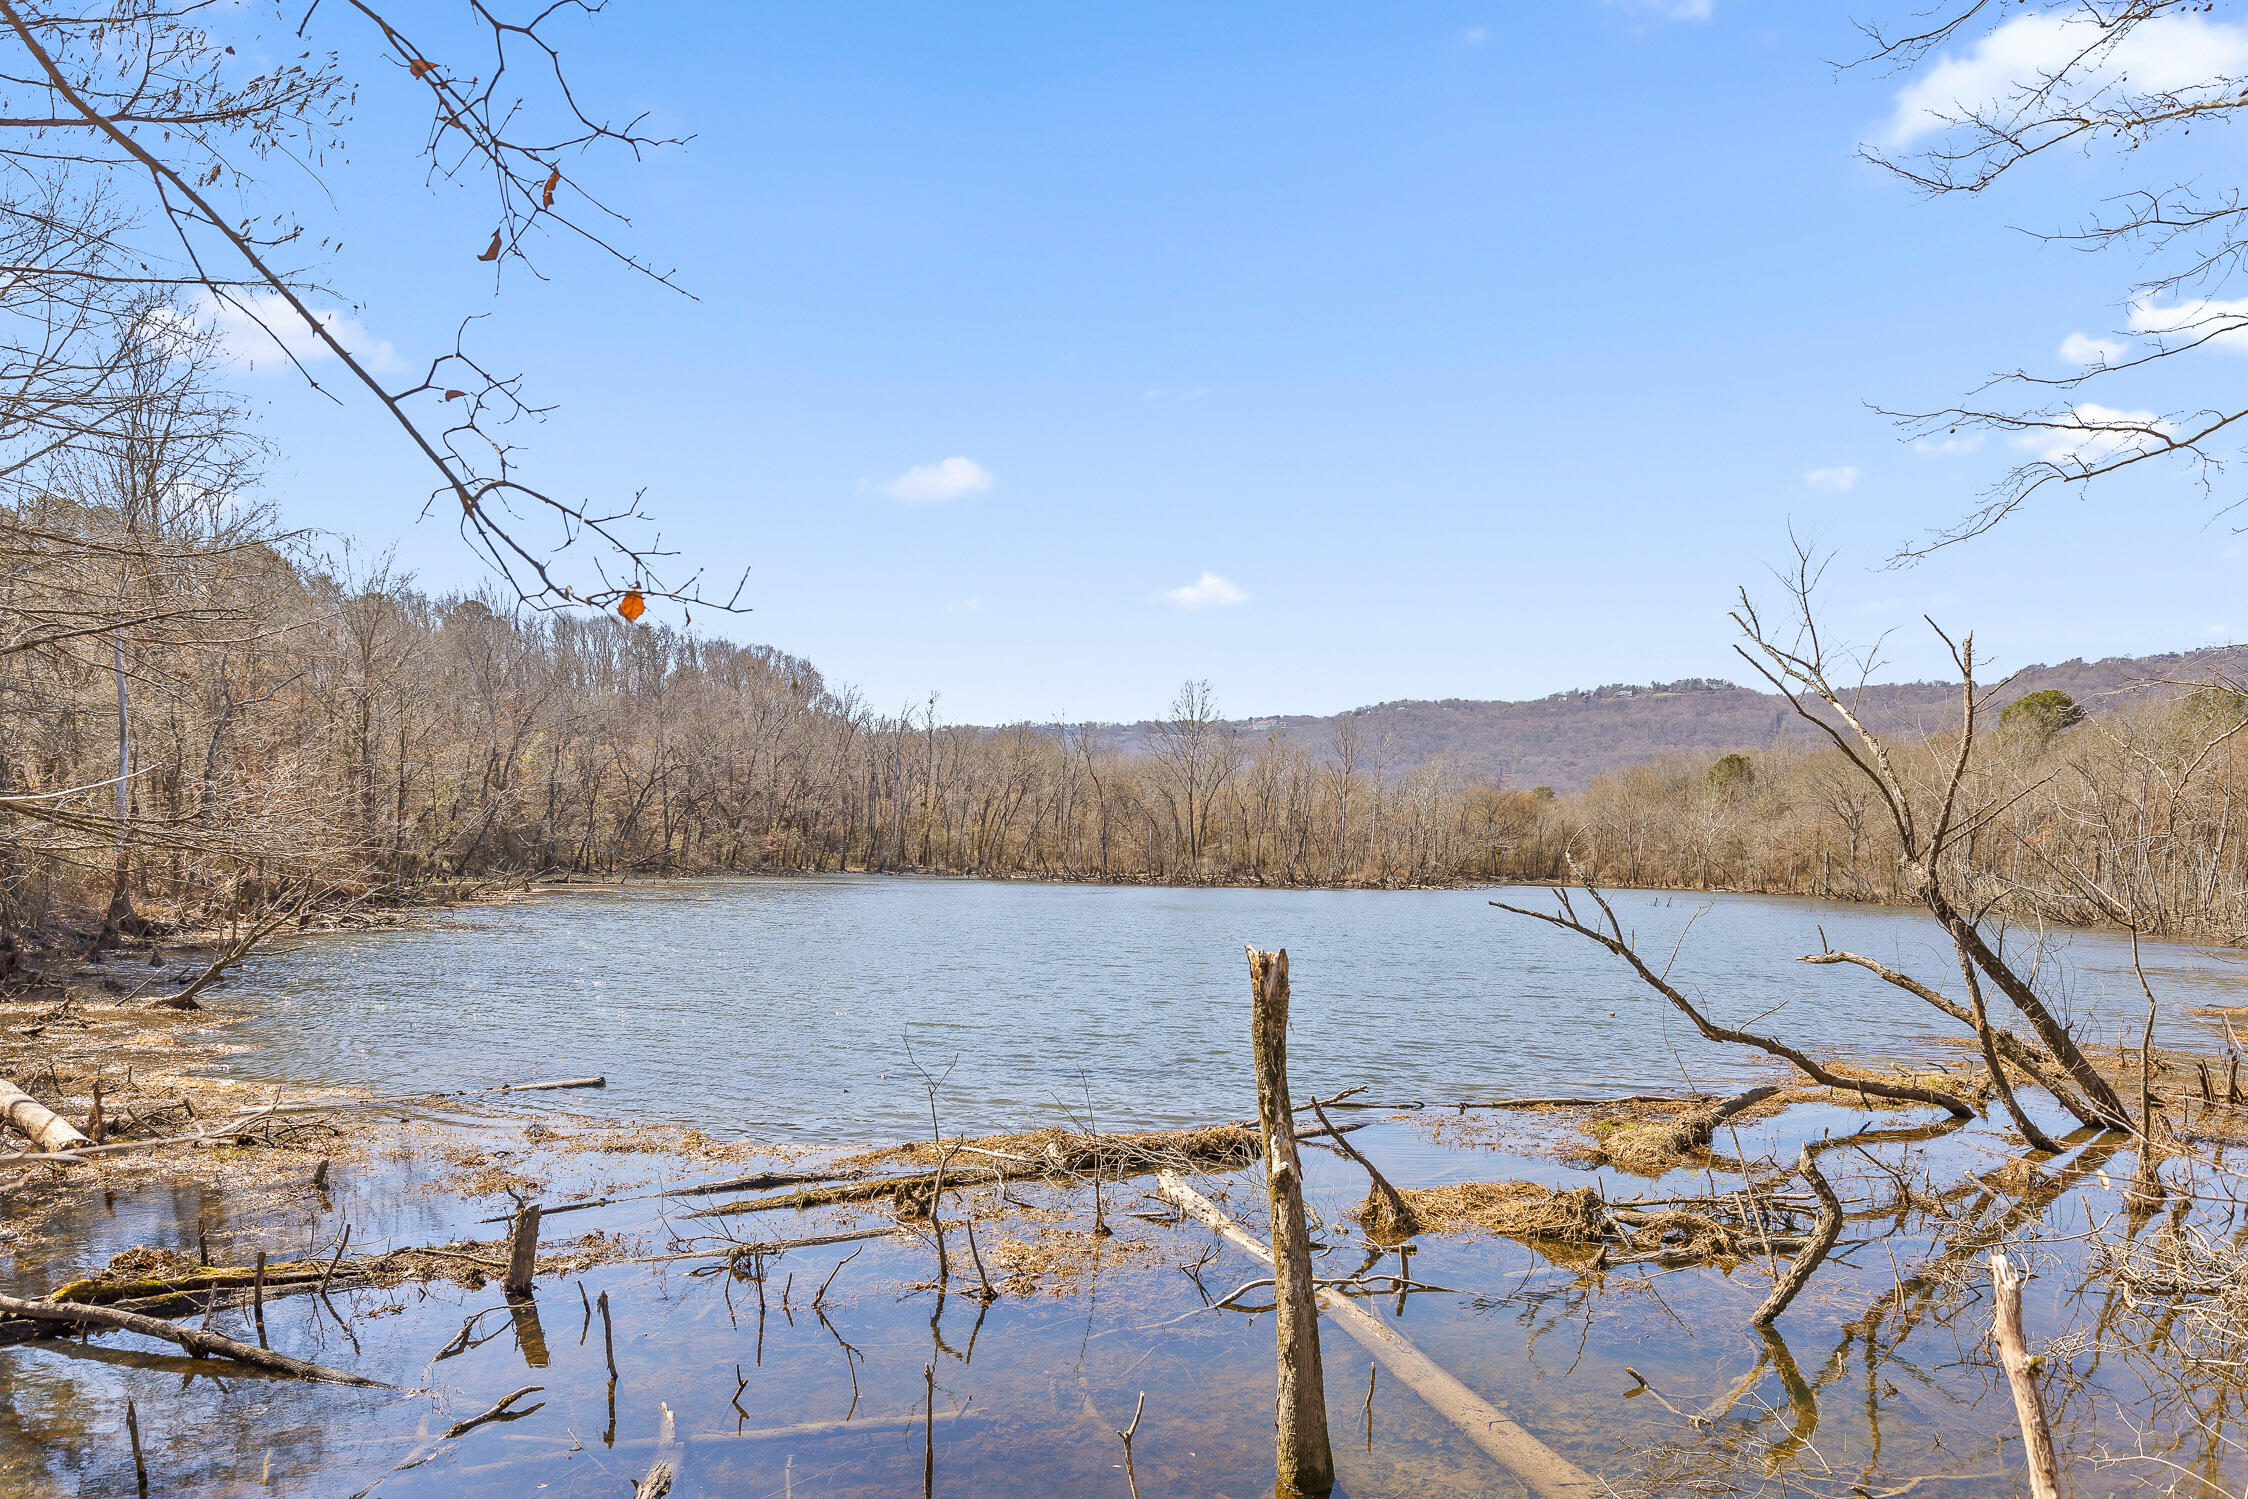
[1614,940]
[197,1341]
[1808,1257]
[1386,1212]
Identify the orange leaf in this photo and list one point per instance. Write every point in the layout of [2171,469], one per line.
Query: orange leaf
[493,253]
[421,67]
[454,395]
[552,183]
[632,606]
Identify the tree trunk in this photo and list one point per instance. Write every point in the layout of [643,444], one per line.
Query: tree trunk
[1306,1464]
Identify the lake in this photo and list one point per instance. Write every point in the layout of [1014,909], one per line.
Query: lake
[782,1010]
[758,1006]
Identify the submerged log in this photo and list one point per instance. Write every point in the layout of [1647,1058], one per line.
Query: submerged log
[1545,1473]
[195,1340]
[46,1129]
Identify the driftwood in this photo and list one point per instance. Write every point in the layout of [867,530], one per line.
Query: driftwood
[2013,1352]
[1546,1474]
[1568,1103]
[229,1131]
[234,953]
[45,1128]
[1306,1461]
[756,1181]
[195,1340]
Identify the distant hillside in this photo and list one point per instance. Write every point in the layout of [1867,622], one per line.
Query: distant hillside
[1566,740]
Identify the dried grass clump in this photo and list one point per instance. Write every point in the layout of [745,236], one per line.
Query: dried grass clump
[1063,1152]
[1378,1213]
[1647,1150]
[1519,1210]
[1056,1260]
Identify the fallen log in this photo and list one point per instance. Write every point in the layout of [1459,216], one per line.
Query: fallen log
[195,1340]
[1115,1156]
[756,1181]
[43,1126]
[1574,1103]
[227,1132]
[1546,1474]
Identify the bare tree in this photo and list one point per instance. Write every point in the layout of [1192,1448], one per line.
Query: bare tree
[1198,754]
[1932,822]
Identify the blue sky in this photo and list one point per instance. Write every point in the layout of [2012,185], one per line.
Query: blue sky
[1048,356]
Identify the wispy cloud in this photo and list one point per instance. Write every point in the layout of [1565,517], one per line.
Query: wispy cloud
[1210,591]
[263,332]
[1839,479]
[2198,320]
[1166,393]
[2082,348]
[948,479]
[1476,36]
[972,604]
[1670,10]
[2161,55]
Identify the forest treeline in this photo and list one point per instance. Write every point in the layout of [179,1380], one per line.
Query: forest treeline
[291,724]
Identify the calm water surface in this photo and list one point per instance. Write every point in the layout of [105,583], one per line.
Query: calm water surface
[757,1006]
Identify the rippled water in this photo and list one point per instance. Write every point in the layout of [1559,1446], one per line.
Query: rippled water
[756,1006]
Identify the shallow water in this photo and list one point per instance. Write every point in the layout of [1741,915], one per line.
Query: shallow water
[719,1003]
[763,1006]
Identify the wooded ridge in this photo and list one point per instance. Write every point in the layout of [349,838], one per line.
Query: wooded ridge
[219,725]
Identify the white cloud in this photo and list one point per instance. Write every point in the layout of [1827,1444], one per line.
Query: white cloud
[1840,479]
[1476,36]
[2082,348]
[2091,432]
[263,331]
[971,605]
[946,480]
[2213,324]
[1206,592]
[2166,53]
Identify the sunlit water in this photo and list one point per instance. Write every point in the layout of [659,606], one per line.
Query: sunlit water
[777,1007]
[758,1006]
